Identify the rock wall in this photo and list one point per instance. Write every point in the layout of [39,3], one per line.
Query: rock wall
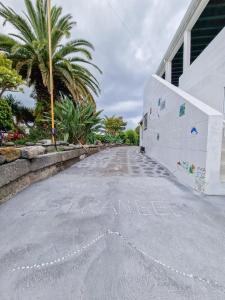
[29,165]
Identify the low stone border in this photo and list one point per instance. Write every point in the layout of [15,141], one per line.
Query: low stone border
[19,174]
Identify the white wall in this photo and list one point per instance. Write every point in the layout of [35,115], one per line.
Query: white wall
[193,157]
[205,78]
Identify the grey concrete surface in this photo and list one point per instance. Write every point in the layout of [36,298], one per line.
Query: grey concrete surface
[115,226]
[19,174]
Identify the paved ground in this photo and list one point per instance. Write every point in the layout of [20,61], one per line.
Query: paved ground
[115,226]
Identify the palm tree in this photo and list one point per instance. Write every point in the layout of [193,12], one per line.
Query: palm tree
[28,49]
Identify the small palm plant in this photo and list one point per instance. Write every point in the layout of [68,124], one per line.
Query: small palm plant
[75,122]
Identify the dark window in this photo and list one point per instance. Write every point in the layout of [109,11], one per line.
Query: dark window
[177,66]
[145,121]
[209,24]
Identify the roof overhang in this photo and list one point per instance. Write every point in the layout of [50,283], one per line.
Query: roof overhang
[194,11]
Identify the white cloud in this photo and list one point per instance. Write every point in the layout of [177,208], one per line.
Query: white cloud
[123,107]
[133,122]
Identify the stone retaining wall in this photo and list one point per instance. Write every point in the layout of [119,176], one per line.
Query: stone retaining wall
[19,174]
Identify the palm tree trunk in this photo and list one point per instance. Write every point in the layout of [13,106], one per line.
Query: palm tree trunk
[41,92]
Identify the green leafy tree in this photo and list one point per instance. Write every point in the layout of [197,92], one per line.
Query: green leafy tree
[131,137]
[76,122]
[137,130]
[10,80]
[114,125]
[28,49]
[6,117]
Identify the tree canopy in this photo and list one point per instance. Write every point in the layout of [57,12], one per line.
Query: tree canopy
[10,80]
[114,125]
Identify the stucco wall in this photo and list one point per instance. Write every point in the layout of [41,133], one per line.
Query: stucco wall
[205,79]
[184,134]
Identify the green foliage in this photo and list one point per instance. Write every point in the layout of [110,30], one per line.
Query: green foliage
[9,78]
[110,139]
[40,109]
[114,125]
[91,138]
[122,136]
[29,52]
[22,141]
[76,123]
[39,132]
[137,130]
[21,113]
[131,137]
[6,117]
[100,137]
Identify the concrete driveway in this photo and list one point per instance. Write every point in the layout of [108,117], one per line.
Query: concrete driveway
[115,226]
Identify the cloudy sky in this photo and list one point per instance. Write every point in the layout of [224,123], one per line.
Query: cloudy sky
[130,39]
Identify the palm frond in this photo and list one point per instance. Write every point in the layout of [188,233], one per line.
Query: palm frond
[28,49]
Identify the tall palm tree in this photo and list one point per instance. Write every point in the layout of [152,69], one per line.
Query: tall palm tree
[28,49]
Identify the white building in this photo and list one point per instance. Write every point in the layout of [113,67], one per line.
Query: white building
[184,102]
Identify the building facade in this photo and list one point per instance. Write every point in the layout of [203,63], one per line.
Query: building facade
[184,102]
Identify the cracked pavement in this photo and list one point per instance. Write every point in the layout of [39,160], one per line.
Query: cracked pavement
[115,226]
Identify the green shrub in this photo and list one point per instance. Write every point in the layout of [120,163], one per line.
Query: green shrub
[109,139]
[91,138]
[38,132]
[131,137]
[6,117]
[21,141]
[122,136]
[76,123]
[100,137]
[113,139]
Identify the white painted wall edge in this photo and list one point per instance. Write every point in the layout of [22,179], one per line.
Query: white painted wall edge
[190,99]
[213,154]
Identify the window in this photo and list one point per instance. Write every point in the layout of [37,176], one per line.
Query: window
[177,66]
[209,24]
[145,121]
